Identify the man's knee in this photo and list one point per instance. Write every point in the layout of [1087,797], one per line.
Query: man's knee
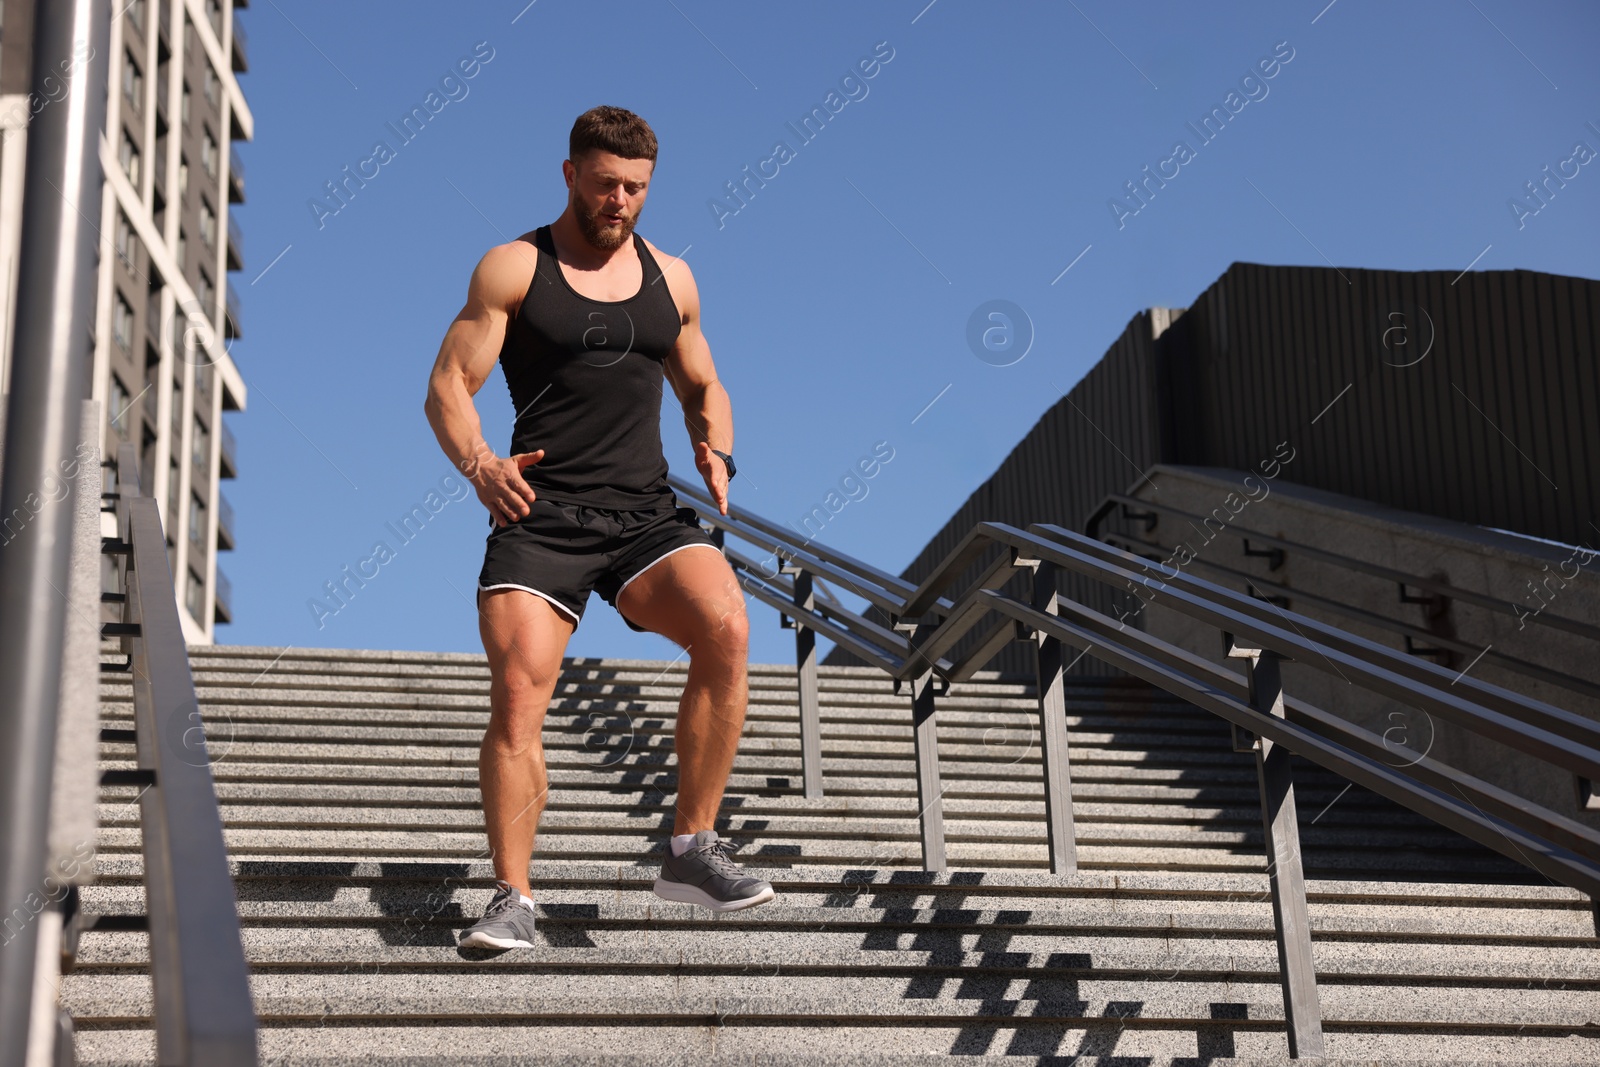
[725,631]
[518,705]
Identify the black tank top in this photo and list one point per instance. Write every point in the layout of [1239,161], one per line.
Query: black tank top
[586,378]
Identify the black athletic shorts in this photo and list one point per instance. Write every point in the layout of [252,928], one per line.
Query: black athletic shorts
[561,551]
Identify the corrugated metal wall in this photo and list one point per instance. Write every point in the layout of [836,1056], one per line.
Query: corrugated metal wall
[1496,424]
[1473,397]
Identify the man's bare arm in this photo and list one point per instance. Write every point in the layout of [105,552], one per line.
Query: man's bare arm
[466,357]
[707,409]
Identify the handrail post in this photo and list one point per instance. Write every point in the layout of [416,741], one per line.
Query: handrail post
[925,740]
[1051,687]
[805,659]
[1302,1008]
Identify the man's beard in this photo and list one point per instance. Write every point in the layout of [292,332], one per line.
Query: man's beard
[603,237]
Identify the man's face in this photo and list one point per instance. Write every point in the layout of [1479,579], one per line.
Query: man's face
[607,193]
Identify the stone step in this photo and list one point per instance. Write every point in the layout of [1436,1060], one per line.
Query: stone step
[799,944]
[946,887]
[310,743]
[970,822]
[829,1000]
[1008,744]
[287,1046]
[904,851]
[1237,782]
[735,1041]
[1180,728]
[268,902]
[1092,802]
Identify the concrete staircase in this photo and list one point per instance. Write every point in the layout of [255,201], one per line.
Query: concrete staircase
[348,789]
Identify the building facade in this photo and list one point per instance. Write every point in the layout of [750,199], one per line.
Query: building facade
[166,312]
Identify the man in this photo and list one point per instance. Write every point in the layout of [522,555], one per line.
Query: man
[585,317]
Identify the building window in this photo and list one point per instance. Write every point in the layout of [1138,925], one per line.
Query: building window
[152,308]
[214,16]
[201,450]
[174,478]
[188,38]
[183,248]
[122,324]
[208,225]
[195,598]
[209,81]
[119,404]
[183,103]
[197,520]
[132,81]
[183,177]
[208,154]
[126,242]
[205,294]
[128,156]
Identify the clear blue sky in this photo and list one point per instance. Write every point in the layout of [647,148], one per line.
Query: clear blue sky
[975,165]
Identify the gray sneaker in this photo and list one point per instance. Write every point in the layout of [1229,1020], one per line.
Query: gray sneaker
[704,875]
[507,922]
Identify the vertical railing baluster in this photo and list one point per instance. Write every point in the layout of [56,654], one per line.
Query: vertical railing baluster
[925,741]
[1302,1007]
[805,659]
[1053,731]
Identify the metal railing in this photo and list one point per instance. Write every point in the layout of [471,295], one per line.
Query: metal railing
[202,1006]
[925,624]
[1418,640]
[224,520]
[230,452]
[235,244]
[235,177]
[232,330]
[223,594]
[241,48]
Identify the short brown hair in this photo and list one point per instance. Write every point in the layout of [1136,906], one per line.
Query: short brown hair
[611,129]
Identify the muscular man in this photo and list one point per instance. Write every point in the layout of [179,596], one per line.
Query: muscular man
[585,317]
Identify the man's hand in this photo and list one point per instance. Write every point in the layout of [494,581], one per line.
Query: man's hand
[502,488]
[715,472]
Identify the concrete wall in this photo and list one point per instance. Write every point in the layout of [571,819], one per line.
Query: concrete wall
[1541,582]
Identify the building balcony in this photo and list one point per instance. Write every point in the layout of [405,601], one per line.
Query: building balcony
[235,178]
[230,465]
[223,589]
[235,244]
[224,524]
[231,330]
[241,50]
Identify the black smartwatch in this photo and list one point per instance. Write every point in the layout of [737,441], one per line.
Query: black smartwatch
[727,461]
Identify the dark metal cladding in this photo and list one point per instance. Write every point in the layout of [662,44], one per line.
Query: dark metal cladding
[1464,396]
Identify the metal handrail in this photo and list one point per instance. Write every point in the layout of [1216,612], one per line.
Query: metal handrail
[203,1010]
[1445,643]
[1113,501]
[925,623]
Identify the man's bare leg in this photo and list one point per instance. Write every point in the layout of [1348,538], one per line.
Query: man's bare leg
[524,636]
[692,598]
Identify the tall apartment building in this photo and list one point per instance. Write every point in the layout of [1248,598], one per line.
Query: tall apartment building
[166,313]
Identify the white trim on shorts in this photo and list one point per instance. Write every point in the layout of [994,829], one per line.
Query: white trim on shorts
[529,589]
[658,559]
